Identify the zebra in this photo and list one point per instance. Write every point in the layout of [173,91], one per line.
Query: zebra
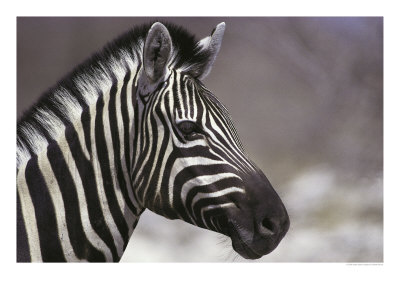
[131,128]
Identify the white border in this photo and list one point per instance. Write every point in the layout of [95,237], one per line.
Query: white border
[195,281]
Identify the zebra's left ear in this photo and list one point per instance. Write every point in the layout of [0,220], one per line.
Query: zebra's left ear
[208,48]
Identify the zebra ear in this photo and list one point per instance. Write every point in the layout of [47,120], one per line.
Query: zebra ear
[209,47]
[157,51]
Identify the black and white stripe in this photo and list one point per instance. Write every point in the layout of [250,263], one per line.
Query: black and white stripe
[110,141]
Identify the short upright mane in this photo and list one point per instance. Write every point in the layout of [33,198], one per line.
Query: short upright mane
[65,102]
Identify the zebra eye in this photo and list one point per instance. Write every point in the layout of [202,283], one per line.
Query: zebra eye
[187,127]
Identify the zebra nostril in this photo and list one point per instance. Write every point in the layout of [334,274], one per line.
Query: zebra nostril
[267,227]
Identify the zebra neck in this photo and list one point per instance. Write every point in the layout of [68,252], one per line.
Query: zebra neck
[81,184]
[107,132]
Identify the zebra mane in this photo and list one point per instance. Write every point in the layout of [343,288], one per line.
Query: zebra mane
[65,102]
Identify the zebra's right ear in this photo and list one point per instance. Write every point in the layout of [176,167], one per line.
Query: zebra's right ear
[157,51]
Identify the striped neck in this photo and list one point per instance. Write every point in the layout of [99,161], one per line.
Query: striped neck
[81,164]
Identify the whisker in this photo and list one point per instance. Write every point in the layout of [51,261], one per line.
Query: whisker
[236,258]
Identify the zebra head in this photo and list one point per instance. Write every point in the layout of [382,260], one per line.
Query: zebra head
[189,161]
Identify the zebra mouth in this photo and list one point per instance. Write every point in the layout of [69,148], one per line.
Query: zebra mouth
[240,245]
[229,228]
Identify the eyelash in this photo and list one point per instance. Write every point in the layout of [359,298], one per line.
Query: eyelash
[187,128]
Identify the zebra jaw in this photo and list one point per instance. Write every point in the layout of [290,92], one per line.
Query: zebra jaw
[250,242]
[258,220]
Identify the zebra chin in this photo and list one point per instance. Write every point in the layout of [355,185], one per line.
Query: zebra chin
[251,245]
[259,220]
[248,241]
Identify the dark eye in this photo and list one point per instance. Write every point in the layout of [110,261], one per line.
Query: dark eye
[187,127]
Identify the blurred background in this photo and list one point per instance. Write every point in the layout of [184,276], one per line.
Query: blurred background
[306,95]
